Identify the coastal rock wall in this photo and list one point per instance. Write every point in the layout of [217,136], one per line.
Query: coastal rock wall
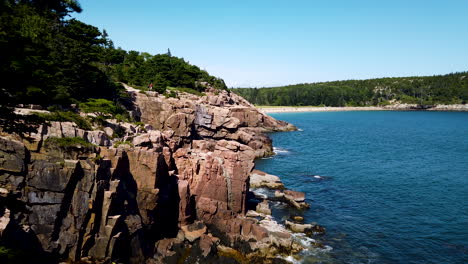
[72,208]
[185,180]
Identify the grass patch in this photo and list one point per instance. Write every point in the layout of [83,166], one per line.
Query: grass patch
[139,87]
[66,116]
[68,142]
[171,94]
[186,90]
[118,143]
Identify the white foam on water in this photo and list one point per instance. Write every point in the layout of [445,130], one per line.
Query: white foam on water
[260,192]
[277,150]
[308,243]
[318,177]
[290,259]
[327,248]
[300,130]
[304,239]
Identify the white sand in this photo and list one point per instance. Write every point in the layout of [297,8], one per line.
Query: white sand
[397,107]
[292,109]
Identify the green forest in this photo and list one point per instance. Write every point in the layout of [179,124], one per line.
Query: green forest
[48,58]
[429,90]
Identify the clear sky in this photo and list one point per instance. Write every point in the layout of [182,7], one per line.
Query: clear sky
[268,42]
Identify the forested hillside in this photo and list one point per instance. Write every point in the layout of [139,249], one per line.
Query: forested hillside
[48,58]
[162,70]
[429,90]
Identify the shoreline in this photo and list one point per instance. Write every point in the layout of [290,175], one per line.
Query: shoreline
[294,109]
[398,107]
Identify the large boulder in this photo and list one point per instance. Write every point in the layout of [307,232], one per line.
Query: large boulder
[13,165]
[194,231]
[261,179]
[12,155]
[301,228]
[294,198]
[263,208]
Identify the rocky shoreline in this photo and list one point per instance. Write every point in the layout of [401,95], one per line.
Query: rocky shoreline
[267,189]
[394,107]
[174,191]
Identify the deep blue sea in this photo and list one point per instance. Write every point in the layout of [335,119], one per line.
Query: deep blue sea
[393,186]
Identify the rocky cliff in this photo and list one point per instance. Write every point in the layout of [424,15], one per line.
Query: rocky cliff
[173,192]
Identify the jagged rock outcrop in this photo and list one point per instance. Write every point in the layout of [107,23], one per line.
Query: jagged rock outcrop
[181,184]
[215,116]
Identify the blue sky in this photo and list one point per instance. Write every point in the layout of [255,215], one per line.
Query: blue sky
[266,43]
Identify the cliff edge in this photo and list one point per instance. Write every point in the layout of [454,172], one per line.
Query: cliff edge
[174,191]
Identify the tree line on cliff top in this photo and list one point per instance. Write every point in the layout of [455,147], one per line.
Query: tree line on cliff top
[442,89]
[48,58]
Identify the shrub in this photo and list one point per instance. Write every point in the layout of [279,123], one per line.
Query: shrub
[68,142]
[171,94]
[123,94]
[100,107]
[409,99]
[384,103]
[125,117]
[97,159]
[104,108]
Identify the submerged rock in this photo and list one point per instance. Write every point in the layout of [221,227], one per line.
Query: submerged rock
[297,218]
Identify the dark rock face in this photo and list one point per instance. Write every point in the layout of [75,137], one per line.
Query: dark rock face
[77,208]
[181,186]
[12,156]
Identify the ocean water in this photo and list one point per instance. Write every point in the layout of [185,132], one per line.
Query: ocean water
[389,187]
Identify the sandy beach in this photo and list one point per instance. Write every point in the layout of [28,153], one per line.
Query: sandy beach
[398,107]
[292,109]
